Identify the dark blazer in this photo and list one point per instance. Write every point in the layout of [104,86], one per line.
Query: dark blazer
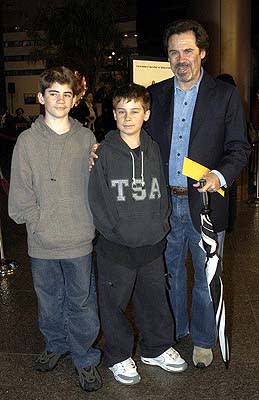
[217,139]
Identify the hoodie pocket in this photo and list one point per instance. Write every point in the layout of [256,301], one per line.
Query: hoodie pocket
[140,231]
[66,225]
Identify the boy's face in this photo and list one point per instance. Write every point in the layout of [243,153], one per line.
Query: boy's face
[58,100]
[130,116]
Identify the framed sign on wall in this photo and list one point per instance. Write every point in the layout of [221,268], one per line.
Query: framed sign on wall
[149,70]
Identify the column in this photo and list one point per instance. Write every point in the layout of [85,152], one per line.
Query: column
[228,25]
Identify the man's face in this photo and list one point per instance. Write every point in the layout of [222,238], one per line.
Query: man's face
[58,100]
[130,116]
[185,58]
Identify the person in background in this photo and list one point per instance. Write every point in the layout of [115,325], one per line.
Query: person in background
[107,119]
[7,123]
[48,192]
[21,120]
[129,201]
[21,116]
[90,111]
[227,78]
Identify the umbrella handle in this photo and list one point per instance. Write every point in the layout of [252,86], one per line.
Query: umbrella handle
[205,197]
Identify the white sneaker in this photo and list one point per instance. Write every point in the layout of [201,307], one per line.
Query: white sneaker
[170,361]
[126,372]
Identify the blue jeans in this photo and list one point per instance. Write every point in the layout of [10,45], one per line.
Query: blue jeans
[184,236]
[67,309]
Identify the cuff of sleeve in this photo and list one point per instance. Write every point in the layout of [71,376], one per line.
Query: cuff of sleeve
[222,180]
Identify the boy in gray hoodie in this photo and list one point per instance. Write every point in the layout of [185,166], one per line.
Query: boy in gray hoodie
[49,193]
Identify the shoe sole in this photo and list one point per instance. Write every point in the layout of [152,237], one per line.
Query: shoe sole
[154,363]
[118,379]
[201,365]
[45,368]
[91,387]
[42,368]
[126,383]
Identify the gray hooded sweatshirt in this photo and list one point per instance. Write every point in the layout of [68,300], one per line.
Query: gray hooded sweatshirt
[48,190]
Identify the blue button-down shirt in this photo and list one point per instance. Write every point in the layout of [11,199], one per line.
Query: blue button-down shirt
[184,103]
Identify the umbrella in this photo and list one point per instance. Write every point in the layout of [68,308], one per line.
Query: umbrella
[213,270]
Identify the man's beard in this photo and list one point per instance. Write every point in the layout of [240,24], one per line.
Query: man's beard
[185,75]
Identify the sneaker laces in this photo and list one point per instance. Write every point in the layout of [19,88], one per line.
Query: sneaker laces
[129,363]
[87,373]
[172,353]
[89,378]
[46,356]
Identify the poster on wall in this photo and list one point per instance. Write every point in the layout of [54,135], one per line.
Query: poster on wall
[149,70]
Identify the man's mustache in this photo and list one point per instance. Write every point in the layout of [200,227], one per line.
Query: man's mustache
[182,64]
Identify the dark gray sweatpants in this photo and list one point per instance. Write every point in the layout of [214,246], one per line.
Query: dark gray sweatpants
[152,315]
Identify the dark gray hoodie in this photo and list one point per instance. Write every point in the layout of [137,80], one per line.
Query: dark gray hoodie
[48,190]
[127,193]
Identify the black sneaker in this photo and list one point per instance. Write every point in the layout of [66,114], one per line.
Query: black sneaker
[46,361]
[89,378]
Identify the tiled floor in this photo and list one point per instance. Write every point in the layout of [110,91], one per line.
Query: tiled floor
[20,339]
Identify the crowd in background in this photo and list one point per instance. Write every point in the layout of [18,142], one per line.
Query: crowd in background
[94,111]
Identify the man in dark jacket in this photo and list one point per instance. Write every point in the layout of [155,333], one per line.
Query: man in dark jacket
[197,116]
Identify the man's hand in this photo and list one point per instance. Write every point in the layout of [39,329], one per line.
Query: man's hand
[92,155]
[212,183]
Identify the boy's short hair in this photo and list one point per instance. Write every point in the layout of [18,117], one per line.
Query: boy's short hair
[130,92]
[61,75]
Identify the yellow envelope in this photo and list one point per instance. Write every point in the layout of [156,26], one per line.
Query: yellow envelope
[196,171]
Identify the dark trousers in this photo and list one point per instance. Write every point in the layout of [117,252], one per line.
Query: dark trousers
[152,315]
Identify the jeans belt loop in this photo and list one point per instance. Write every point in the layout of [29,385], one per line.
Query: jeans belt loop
[179,191]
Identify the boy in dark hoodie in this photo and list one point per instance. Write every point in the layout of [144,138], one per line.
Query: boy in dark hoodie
[48,192]
[129,202]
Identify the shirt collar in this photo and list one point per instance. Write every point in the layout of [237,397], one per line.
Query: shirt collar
[196,85]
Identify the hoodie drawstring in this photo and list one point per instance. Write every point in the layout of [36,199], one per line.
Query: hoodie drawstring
[133,169]
[142,169]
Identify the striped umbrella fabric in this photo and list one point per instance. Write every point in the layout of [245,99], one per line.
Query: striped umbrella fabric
[213,269]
